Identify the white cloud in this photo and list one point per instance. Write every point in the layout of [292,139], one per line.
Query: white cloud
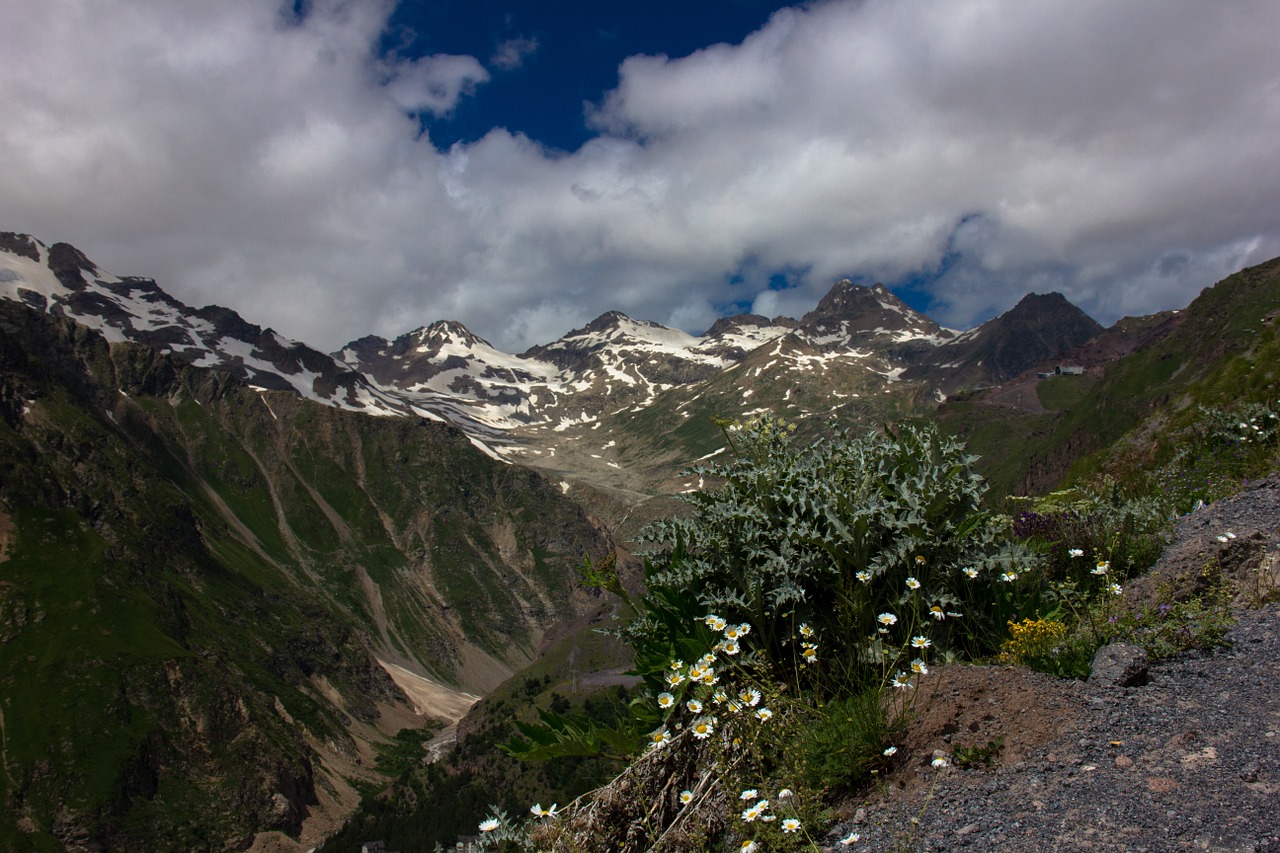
[512,53]
[1122,153]
[434,83]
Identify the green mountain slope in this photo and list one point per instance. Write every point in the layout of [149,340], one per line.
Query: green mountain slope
[198,582]
[1221,350]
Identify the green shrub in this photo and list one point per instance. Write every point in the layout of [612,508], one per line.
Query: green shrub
[874,540]
[1076,528]
[1168,627]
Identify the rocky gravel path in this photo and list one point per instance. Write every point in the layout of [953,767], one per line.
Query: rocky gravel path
[1188,761]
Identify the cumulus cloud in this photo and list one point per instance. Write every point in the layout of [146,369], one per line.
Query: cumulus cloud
[1123,154]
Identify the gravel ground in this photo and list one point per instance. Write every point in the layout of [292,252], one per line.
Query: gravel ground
[1189,761]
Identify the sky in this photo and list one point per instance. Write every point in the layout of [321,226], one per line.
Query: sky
[338,168]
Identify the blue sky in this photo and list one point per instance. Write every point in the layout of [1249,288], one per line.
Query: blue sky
[335,168]
[547,61]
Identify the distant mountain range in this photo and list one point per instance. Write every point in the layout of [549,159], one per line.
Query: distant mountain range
[859,344]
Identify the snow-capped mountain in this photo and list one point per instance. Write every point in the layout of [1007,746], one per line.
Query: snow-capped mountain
[616,364]
[851,314]
[60,280]
[611,364]
[860,351]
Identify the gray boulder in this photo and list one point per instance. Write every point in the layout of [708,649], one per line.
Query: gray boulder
[1119,665]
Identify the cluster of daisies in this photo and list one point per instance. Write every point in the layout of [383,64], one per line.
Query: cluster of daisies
[493,823]
[919,643]
[1252,431]
[759,810]
[710,697]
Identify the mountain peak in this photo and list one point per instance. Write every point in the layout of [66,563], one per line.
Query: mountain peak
[1040,327]
[449,331]
[607,321]
[850,308]
[846,299]
[1045,303]
[22,245]
[1050,314]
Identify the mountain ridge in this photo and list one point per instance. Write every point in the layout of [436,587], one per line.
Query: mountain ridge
[861,347]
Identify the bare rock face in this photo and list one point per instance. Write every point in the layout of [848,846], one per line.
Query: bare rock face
[1119,665]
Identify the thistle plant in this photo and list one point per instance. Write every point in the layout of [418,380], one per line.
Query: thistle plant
[787,622]
[836,535]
